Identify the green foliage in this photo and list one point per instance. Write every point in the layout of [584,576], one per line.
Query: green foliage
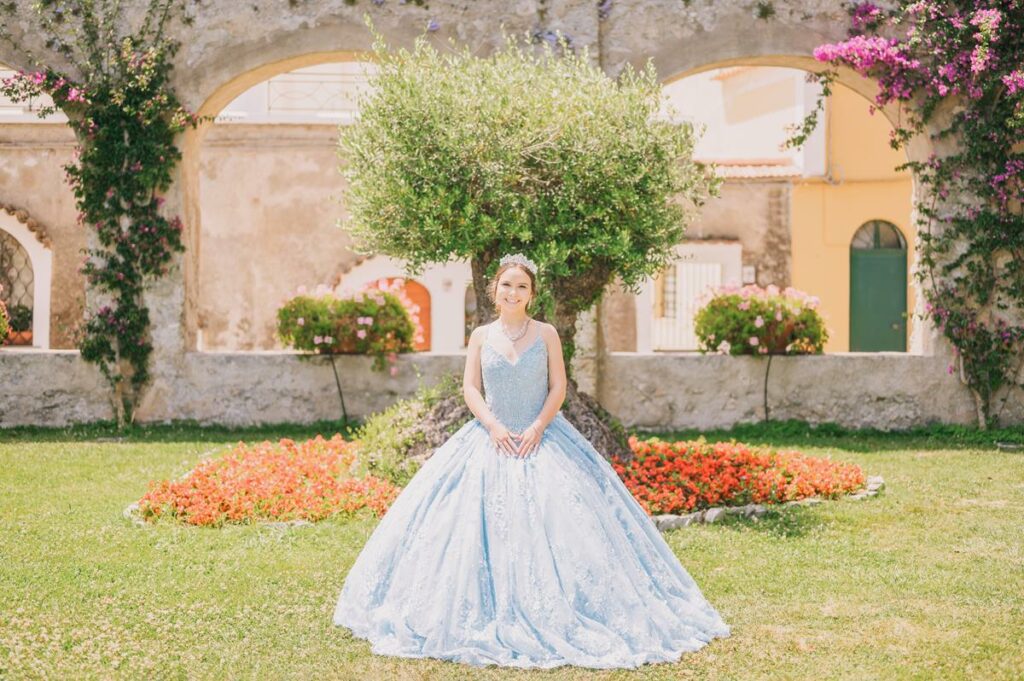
[527,150]
[372,323]
[4,323]
[386,437]
[20,317]
[765,10]
[751,321]
[120,104]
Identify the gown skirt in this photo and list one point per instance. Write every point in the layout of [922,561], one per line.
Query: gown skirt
[534,562]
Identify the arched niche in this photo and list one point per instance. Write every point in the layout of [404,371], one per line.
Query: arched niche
[444,283]
[41,259]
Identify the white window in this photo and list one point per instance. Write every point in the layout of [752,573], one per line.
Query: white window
[677,291]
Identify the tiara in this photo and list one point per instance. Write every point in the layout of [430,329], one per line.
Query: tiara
[519,259]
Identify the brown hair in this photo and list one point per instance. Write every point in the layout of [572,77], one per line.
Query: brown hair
[492,288]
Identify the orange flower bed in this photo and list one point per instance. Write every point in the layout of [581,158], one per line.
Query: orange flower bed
[287,481]
[679,477]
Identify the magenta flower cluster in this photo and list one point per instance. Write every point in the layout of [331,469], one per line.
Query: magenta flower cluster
[964,58]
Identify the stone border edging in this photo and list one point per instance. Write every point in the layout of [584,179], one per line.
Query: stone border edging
[670,521]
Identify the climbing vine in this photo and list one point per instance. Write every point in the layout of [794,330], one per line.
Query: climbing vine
[958,68]
[125,116]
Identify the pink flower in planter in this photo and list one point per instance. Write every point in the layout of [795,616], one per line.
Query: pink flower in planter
[754,340]
[318,340]
[744,305]
[328,339]
[759,322]
[361,333]
[778,315]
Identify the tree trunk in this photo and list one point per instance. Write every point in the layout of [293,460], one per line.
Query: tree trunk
[565,323]
[484,307]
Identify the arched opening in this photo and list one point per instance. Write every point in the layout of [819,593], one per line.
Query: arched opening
[39,297]
[783,215]
[878,288]
[26,270]
[16,289]
[419,296]
[269,192]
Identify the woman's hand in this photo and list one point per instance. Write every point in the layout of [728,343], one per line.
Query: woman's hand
[530,439]
[502,438]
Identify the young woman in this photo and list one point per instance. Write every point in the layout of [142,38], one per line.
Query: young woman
[516,543]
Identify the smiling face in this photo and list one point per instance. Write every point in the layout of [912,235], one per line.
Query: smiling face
[513,290]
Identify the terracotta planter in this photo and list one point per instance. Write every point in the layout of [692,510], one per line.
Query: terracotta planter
[19,338]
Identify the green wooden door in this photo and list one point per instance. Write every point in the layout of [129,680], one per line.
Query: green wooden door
[878,295]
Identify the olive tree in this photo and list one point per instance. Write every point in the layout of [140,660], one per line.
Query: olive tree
[528,149]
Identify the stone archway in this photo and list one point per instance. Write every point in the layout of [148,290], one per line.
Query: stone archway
[679,42]
[31,236]
[232,45]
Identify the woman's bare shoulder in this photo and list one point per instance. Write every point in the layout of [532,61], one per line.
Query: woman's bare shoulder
[548,330]
[479,333]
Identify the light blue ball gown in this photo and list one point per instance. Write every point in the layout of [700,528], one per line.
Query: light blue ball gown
[541,561]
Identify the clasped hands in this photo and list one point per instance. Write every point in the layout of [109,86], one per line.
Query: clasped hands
[519,445]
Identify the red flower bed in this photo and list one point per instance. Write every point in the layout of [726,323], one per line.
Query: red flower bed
[679,477]
[287,481]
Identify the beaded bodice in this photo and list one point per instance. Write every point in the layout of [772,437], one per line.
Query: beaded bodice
[515,392]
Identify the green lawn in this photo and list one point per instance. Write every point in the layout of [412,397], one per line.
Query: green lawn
[923,581]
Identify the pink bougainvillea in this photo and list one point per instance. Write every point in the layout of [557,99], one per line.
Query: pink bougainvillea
[962,59]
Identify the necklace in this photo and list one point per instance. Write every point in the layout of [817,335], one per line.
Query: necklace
[515,337]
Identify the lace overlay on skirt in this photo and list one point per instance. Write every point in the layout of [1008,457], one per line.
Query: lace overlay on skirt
[539,562]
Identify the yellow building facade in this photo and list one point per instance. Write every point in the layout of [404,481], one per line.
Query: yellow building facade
[860,185]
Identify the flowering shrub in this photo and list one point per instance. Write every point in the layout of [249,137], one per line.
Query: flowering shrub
[310,481]
[4,325]
[397,288]
[122,108]
[956,69]
[374,322]
[679,477]
[755,320]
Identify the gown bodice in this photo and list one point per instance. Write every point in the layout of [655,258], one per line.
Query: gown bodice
[515,392]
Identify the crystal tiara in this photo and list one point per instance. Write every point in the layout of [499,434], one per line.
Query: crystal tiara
[519,259]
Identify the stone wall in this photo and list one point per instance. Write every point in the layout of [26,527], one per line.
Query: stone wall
[32,178]
[232,46]
[656,391]
[756,213]
[271,202]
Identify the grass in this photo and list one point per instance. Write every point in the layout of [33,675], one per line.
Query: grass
[924,581]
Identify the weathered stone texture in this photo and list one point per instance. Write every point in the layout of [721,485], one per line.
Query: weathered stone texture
[664,391]
[234,45]
[756,213]
[32,178]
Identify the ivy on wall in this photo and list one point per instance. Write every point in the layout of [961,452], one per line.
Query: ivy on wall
[125,116]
